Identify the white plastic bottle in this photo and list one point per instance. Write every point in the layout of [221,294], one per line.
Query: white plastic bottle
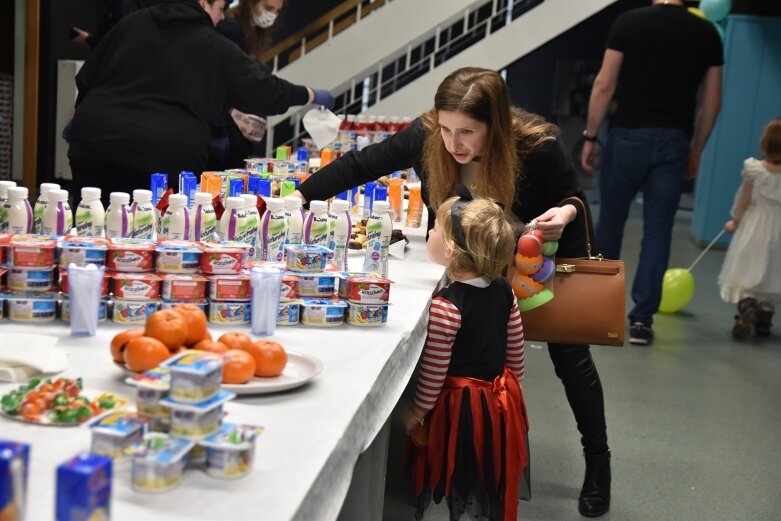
[19,211]
[90,215]
[231,218]
[273,231]
[4,186]
[343,226]
[144,215]
[176,221]
[379,227]
[249,230]
[295,219]
[119,220]
[54,219]
[203,218]
[316,224]
[40,204]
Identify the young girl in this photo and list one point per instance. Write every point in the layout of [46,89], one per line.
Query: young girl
[751,273]
[468,393]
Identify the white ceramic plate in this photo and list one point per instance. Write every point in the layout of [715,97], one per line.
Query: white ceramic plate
[299,370]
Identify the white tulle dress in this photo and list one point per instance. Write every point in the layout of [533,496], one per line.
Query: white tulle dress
[752,266]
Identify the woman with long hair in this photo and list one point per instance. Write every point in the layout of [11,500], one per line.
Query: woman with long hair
[474,136]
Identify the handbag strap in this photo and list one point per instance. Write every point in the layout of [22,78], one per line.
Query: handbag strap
[586,221]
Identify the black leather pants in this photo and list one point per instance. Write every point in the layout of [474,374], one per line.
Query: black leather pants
[576,370]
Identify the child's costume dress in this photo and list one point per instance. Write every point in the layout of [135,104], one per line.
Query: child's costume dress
[752,266]
[477,424]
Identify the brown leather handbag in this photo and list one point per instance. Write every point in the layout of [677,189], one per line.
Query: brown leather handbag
[588,301]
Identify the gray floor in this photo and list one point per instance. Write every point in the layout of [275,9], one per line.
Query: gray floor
[694,421]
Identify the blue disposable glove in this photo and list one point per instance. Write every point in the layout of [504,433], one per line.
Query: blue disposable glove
[323,97]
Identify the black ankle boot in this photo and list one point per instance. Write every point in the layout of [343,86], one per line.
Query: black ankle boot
[594,498]
[745,319]
[765,311]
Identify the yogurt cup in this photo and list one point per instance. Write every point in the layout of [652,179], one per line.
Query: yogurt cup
[218,259]
[196,420]
[31,307]
[185,288]
[229,312]
[158,462]
[170,304]
[230,452]
[289,290]
[230,287]
[174,256]
[130,255]
[136,286]
[322,312]
[195,376]
[367,314]
[5,238]
[365,289]
[63,282]
[133,311]
[82,250]
[151,387]
[30,279]
[30,251]
[306,258]
[65,310]
[318,285]
[288,313]
[113,434]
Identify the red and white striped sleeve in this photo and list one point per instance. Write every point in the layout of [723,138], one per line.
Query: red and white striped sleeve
[444,321]
[515,346]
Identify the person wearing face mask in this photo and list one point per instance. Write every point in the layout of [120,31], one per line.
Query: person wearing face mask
[248,25]
[155,89]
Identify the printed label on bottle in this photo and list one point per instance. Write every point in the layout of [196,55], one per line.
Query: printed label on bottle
[144,222]
[3,216]
[40,206]
[274,234]
[205,223]
[376,260]
[316,230]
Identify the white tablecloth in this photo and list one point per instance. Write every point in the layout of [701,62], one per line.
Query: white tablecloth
[314,434]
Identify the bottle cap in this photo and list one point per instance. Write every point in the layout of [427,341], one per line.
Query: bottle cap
[234,202]
[141,195]
[275,204]
[381,206]
[119,198]
[250,200]
[58,196]
[178,200]
[203,197]
[318,206]
[90,192]
[45,188]
[340,205]
[293,202]
[17,192]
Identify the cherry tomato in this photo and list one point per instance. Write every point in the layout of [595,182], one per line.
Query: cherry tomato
[72,390]
[46,388]
[31,411]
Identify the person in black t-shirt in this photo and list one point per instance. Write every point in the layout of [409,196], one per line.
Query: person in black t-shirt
[658,60]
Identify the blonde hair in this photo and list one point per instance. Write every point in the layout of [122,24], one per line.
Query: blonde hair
[482,95]
[490,241]
[770,142]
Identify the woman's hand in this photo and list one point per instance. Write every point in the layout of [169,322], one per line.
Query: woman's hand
[553,221]
[298,194]
[412,416]
[730,226]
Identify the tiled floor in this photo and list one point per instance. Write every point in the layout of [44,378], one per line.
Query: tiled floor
[694,420]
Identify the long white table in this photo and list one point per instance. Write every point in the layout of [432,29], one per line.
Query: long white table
[314,435]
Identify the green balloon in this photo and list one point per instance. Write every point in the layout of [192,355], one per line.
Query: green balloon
[677,290]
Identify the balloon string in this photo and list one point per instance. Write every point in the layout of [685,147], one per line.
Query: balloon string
[708,247]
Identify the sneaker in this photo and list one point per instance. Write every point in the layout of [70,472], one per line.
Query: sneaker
[640,334]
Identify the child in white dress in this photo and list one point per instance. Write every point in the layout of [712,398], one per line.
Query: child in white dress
[751,273]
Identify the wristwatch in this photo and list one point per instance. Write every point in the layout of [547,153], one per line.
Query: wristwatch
[589,138]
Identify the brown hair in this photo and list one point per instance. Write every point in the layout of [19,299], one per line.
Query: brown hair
[256,39]
[482,95]
[770,142]
[490,241]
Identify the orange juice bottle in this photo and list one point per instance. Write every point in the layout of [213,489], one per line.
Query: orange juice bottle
[395,197]
[415,207]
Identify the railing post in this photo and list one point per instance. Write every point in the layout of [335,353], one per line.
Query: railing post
[436,40]
[297,128]
[270,141]
[330,30]
[303,46]
[379,84]
[275,68]
[466,20]
[358,12]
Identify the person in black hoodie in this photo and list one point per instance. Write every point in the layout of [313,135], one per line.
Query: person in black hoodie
[154,90]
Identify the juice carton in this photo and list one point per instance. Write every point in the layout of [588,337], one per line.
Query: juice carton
[14,461]
[84,488]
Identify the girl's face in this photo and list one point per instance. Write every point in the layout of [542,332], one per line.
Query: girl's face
[464,136]
[438,251]
[216,11]
[272,6]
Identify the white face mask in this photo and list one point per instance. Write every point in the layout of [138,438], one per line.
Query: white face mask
[265,20]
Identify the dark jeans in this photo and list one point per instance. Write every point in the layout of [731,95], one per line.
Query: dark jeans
[651,160]
[106,176]
[576,370]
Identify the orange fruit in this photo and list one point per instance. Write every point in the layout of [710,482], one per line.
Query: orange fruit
[236,340]
[196,323]
[237,366]
[144,353]
[119,342]
[213,346]
[168,326]
[270,357]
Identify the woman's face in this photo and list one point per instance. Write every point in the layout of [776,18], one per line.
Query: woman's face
[464,137]
[216,11]
[436,247]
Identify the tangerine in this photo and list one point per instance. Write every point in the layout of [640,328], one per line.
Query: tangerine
[119,342]
[237,366]
[213,346]
[144,353]
[270,358]
[168,326]
[196,323]
[236,340]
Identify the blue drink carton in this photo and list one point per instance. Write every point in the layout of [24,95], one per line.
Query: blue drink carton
[14,461]
[84,488]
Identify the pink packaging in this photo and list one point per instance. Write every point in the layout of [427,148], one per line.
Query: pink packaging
[136,286]
[187,288]
[30,251]
[230,287]
[63,281]
[130,255]
[222,260]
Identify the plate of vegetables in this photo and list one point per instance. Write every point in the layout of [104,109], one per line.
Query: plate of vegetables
[59,402]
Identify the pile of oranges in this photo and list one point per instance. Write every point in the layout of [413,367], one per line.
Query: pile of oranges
[171,331]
